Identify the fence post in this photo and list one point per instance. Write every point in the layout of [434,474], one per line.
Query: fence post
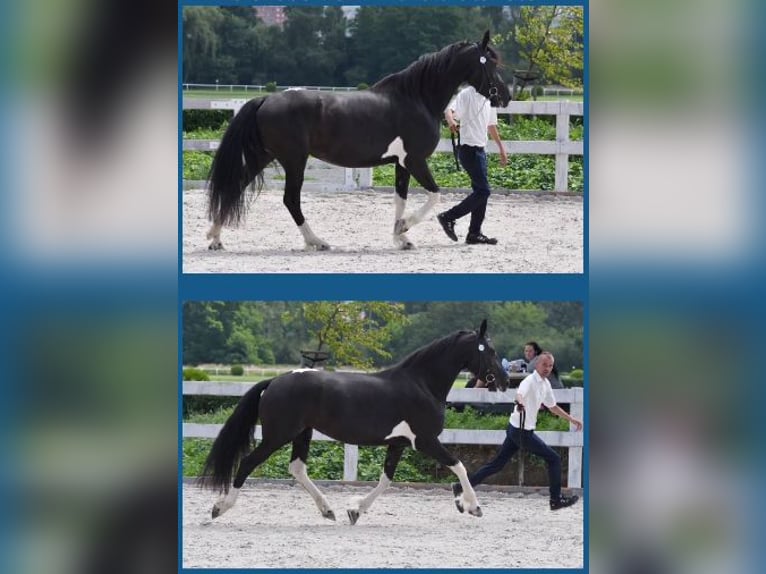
[576,409]
[562,159]
[350,461]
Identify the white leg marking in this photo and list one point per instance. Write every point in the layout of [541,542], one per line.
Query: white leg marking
[226,501]
[364,504]
[311,240]
[396,148]
[403,429]
[420,215]
[298,469]
[215,235]
[400,239]
[399,205]
[470,502]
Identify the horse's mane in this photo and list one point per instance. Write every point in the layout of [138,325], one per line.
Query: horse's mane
[436,347]
[409,81]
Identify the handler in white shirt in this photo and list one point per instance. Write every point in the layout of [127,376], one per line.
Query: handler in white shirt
[534,390]
[476,117]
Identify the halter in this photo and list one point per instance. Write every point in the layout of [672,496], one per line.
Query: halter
[488,377]
[486,75]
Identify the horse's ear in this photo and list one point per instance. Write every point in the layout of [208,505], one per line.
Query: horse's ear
[485,40]
[483,329]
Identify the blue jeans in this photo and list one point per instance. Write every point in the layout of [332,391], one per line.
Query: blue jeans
[510,446]
[474,161]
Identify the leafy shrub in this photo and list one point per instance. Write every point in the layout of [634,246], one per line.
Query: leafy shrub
[237,370]
[192,374]
[197,165]
[270,87]
[194,120]
[362,86]
[537,91]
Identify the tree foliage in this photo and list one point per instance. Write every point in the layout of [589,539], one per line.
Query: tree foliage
[548,40]
[318,45]
[370,334]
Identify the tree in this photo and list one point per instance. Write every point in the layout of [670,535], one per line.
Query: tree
[352,331]
[549,42]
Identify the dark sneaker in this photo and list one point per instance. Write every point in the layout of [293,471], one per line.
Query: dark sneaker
[563,501]
[480,239]
[448,225]
[457,490]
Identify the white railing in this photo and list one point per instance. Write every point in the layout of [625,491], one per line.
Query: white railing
[572,440]
[355,178]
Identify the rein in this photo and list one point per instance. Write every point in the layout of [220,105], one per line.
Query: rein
[455,146]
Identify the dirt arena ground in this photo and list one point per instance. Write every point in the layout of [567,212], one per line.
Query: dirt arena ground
[537,233]
[278,526]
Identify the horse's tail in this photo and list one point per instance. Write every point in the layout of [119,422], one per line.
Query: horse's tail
[233,442]
[240,159]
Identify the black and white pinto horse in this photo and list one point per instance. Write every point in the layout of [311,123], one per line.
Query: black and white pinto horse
[395,121]
[401,406]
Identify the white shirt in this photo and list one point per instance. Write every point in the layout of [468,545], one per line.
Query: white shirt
[475,114]
[535,391]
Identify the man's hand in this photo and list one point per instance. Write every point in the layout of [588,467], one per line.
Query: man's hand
[503,157]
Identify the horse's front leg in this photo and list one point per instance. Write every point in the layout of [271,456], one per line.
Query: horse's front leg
[467,501]
[400,203]
[421,173]
[386,477]
[292,200]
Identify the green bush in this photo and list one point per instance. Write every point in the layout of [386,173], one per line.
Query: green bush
[362,86]
[270,87]
[194,120]
[237,370]
[537,91]
[192,374]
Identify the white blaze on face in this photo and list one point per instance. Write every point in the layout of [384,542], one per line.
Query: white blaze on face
[396,148]
[403,429]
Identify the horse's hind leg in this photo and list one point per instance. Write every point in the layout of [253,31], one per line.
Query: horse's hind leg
[297,468]
[467,501]
[386,477]
[246,466]
[215,235]
[294,171]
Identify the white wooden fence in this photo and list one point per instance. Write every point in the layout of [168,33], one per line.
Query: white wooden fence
[356,178]
[573,440]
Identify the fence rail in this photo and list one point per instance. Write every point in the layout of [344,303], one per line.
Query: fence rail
[572,440]
[357,178]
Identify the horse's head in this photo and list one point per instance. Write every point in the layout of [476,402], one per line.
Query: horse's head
[486,365]
[484,75]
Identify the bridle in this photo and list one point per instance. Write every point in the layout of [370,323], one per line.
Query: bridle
[483,373]
[486,77]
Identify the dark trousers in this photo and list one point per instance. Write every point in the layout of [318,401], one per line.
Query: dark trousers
[474,161]
[533,444]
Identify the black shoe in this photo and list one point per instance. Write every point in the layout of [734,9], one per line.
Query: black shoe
[448,225]
[457,490]
[563,501]
[480,238]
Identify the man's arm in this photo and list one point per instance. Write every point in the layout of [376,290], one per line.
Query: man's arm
[557,410]
[495,135]
[449,115]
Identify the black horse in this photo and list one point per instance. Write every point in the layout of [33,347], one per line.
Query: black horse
[401,406]
[395,121]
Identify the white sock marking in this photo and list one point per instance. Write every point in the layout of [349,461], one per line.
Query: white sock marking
[469,494]
[309,238]
[396,148]
[403,429]
[364,504]
[298,469]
